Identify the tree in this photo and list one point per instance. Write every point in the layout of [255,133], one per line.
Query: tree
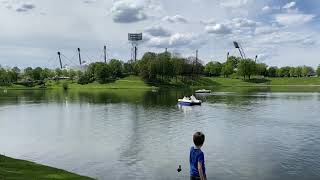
[213,69]
[36,74]
[227,69]
[15,73]
[72,74]
[247,67]
[272,71]
[234,61]
[292,72]
[28,73]
[283,72]
[4,78]
[318,71]
[298,71]
[102,73]
[307,71]
[262,69]
[115,68]
[58,72]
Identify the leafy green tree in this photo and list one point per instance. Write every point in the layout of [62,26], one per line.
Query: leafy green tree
[28,73]
[15,73]
[318,71]
[307,71]
[4,78]
[178,66]
[292,72]
[72,74]
[65,73]
[128,68]
[36,74]
[247,67]
[262,69]
[227,69]
[146,64]
[284,72]
[116,68]
[234,61]
[272,71]
[102,73]
[298,71]
[58,72]
[213,69]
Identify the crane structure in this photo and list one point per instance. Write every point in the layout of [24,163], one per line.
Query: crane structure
[134,39]
[241,51]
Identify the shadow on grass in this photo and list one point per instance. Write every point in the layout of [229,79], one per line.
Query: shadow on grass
[257,81]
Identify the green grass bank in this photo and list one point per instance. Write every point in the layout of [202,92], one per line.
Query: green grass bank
[135,82]
[14,169]
[217,81]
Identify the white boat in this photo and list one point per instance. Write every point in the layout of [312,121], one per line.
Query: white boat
[189,101]
[203,91]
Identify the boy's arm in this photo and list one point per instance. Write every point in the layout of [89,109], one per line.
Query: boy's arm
[202,177]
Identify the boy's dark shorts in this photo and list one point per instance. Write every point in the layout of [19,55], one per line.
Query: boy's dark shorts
[194,178]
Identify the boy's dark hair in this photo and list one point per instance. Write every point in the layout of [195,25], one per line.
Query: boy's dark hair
[198,138]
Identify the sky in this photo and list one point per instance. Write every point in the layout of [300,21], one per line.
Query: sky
[280,32]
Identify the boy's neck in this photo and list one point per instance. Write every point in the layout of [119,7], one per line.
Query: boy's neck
[197,147]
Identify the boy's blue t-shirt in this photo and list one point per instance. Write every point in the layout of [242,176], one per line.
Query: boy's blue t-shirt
[196,155]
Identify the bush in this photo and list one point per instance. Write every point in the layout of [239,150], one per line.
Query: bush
[65,86]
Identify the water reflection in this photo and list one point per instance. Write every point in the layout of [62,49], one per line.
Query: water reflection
[251,134]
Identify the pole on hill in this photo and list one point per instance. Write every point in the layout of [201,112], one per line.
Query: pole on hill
[166,50]
[255,60]
[105,54]
[228,54]
[59,55]
[79,56]
[135,53]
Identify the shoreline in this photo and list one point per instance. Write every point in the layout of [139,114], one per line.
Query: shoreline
[22,169]
[136,83]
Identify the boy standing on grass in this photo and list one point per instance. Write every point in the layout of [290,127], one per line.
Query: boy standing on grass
[197,167]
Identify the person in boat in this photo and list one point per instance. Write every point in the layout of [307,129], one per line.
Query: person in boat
[196,158]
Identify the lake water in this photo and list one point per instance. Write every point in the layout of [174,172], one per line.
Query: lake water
[130,134]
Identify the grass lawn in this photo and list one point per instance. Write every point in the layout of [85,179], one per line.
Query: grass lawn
[135,82]
[218,81]
[14,169]
[130,82]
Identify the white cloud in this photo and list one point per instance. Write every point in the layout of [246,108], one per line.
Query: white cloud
[285,37]
[25,7]
[18,6]
[175,19]
[128,11]
[234,3]
[176,40]
[266,8]
[242,22]
[158,31]
[208,22]
[293,19]
[289,5]
[218,29]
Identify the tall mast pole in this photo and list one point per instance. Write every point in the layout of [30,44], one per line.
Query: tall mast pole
[79,56]
[135,53]
[59,54]
[105,54]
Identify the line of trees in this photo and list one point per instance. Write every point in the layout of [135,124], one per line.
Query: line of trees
[155,68]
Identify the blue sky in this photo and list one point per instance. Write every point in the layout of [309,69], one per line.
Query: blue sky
[281,32]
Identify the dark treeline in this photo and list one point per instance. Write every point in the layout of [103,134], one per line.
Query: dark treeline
[154,68]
